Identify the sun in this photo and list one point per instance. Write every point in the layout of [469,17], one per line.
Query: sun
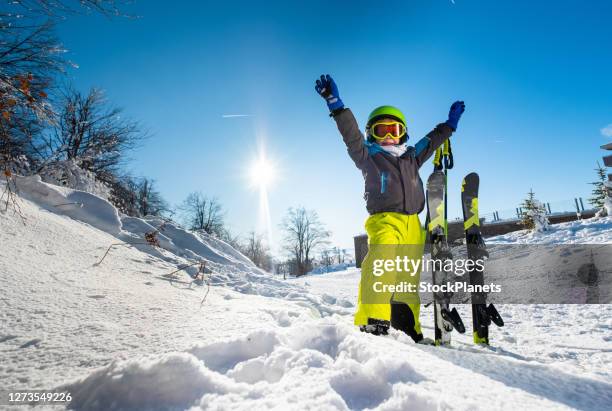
[262,172]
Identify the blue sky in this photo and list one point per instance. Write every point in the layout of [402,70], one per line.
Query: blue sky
[535,77]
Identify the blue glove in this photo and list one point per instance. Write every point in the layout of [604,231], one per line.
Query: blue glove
[327,88]
[455,113]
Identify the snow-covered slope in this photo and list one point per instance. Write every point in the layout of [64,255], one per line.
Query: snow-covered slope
[124,335]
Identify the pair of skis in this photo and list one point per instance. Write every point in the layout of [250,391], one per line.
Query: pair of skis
[445,318]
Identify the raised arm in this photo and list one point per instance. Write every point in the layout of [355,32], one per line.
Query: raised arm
[345,120]
[352,136]
[426,146]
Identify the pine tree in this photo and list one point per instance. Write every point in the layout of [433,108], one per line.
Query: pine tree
[534,214]
[599,192]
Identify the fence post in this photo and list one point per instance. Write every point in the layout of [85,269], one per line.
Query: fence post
[577,208]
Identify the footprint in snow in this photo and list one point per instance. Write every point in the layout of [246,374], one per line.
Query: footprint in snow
[223,356]
[5,338]
[31,343]
[96,296]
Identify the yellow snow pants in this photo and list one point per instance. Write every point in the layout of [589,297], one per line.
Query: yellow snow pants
[391,236]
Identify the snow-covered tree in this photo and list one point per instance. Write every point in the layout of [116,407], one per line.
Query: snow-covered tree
[608,202]
[123,195]
[534,213]
[89,133]
[69,173]
[598,197]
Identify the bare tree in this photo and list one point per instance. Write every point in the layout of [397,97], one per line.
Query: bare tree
[340,253]
[90,133]
[304,234]
[137,197]
[26,65]
[203,213]
[230,238]
[257,250]
[31,58]
[149,200]
[123,195]
[327,259]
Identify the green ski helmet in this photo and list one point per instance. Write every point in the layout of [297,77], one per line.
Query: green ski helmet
[382,112]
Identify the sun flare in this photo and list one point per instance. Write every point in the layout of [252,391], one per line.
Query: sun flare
[262,173]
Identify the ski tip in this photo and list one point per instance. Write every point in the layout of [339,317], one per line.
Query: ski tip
[435,176]
[472,180]
[473,176]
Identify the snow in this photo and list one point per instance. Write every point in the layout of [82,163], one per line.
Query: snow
[68,173]
[323,269]
[123,334]
[538,215]
[608,202]
[591,231]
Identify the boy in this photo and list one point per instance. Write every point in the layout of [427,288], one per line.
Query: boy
[394,197]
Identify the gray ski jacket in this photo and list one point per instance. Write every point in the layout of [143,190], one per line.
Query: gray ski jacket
[392,184]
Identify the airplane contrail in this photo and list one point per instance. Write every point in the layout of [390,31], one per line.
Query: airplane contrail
[236,115]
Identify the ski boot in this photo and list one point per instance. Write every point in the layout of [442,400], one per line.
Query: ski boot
[376,327]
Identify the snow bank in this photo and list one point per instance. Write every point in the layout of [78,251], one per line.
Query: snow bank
[177,246]
[76,204]
[69,174]
[222,247]
[589,231]
[326,366]
[172,381]
[332,268]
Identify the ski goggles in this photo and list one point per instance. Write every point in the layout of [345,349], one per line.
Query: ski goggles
[383,129]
